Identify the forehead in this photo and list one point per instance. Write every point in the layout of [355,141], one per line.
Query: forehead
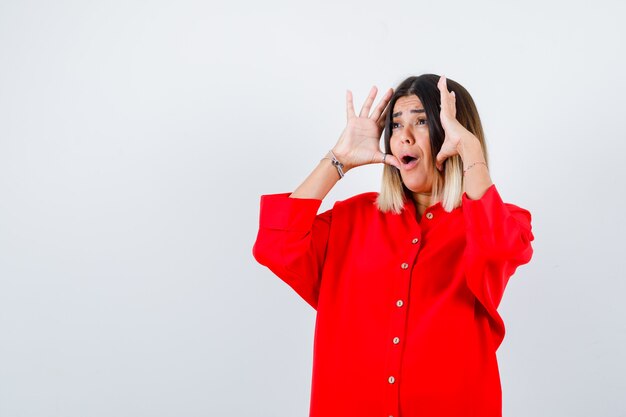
[403,104]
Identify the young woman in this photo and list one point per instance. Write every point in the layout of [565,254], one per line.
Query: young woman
[406,282]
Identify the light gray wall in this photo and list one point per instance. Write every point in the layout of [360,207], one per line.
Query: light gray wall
[135,141]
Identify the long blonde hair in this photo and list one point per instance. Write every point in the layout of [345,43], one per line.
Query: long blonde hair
[448,187]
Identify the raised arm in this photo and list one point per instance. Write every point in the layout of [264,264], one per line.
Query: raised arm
[292,238]
[459,140]
[498,234]
[357,145]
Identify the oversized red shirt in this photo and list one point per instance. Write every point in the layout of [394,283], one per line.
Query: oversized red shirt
[406,322]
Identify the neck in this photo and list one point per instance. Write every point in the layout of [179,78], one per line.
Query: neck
[422,202]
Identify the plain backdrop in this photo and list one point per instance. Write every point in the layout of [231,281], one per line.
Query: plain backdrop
[136,138]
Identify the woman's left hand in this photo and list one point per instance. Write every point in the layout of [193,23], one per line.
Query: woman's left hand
[454,130]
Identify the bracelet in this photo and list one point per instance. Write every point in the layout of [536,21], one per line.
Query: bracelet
[471,165]
[336,163]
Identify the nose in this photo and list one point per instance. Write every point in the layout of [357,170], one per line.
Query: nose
[407,137]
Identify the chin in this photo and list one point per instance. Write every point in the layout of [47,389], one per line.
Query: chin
[416,186]
[419,189]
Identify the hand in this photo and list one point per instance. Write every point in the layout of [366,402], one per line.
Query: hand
[454,130]
[359,141]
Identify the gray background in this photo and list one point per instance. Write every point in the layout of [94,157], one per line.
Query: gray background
[137,137]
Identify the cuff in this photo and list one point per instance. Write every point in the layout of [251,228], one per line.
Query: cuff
[495,228]
[490,207]
[489,197]
[279,211]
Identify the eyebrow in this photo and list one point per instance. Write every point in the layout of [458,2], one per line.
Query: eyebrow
[410,111]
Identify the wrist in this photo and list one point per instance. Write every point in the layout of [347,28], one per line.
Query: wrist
[337,164]
[342,157]
[470,149]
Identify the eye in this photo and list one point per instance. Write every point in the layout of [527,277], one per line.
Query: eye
[420,122]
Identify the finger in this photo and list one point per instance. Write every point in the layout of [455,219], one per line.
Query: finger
[383,117]
[382,105]
[441,158]
[381,120]
[365,110]
[388,159]
[442,92]
[448,99]
[443,89]
[349,105]
[452,102]
[442,83]
[393,161]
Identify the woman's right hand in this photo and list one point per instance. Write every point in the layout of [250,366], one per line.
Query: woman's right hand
[359,143]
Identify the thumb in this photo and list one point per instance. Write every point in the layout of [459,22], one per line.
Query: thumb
[441,157]
[389,159]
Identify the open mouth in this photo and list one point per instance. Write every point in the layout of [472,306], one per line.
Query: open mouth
[407,159]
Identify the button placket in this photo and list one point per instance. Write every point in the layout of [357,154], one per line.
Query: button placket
[397,328]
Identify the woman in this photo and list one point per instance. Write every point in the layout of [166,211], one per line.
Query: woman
[406,282]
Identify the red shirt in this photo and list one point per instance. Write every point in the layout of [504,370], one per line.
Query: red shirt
[406,320]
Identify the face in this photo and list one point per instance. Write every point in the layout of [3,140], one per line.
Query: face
[410,143]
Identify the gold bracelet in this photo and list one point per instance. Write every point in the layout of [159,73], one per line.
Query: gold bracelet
[479,162]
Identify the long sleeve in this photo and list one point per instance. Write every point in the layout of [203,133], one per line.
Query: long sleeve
[292,240]
[498,240]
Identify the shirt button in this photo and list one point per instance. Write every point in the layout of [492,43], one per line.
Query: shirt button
[399,303]
[429,215]
[404,265]
[414,241]
[396,340]
[392,380]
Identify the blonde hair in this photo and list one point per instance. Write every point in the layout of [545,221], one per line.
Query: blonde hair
[448,186]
